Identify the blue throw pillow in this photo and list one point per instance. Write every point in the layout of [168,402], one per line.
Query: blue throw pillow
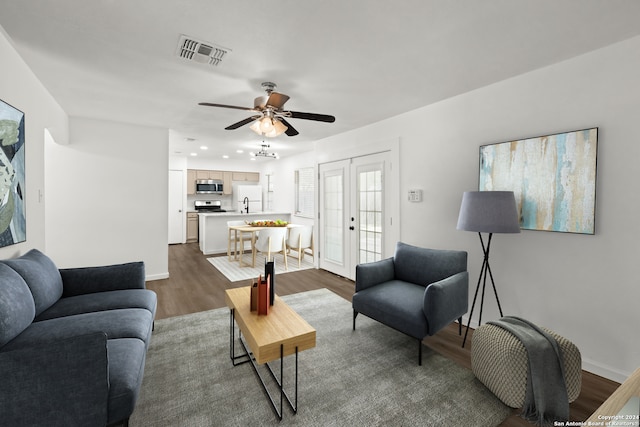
[17,308]
[42,277]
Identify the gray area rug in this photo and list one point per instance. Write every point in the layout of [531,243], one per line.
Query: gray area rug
[369,377]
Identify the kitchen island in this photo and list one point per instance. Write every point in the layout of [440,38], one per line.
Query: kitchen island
[213,233]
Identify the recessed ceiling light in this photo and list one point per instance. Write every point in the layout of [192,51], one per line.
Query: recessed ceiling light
[225,157]
[204,147]
[239,151]
[253,158]
[194,154]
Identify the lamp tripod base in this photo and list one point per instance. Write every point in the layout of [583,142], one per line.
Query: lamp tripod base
[486,268]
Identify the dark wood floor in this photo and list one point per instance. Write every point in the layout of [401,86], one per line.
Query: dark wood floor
[195,285]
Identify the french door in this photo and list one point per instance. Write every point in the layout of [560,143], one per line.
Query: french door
[355,224]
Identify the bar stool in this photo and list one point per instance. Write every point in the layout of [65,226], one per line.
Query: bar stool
[300,239]
[235,238]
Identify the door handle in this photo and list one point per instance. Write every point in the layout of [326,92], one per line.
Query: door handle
[352,228]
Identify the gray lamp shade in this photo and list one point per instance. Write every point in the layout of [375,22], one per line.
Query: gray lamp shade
[489,212]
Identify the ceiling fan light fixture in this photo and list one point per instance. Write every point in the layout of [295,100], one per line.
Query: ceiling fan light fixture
[264,153]
[266,125]
[269,127]
[279,127]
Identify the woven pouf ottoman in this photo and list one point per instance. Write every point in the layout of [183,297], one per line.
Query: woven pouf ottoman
[499,361]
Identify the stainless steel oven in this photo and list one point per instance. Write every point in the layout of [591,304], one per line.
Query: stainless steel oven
[208,206]
[209,186]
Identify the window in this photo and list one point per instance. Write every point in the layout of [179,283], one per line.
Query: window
[304,192]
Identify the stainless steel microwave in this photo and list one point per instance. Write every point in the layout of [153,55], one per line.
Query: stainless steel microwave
[208,186]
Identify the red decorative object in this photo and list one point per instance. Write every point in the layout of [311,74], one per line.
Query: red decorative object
[263,295]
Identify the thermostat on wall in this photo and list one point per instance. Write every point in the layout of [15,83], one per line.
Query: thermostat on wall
[415,195]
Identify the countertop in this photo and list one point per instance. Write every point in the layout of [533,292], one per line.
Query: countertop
[265,214]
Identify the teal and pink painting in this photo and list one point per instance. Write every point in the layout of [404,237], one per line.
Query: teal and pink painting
[553,178]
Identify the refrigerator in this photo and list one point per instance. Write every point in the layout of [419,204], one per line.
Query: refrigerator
[252,193]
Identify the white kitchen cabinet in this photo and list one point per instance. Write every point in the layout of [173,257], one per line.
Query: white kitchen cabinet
[246,176]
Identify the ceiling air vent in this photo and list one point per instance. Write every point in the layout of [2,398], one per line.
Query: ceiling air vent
[202,52]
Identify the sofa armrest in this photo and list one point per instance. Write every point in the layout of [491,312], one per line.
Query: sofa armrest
[86,280]
[374,273]
[59,384]
[446,301]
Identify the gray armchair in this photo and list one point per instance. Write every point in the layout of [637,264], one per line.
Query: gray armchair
[417,292]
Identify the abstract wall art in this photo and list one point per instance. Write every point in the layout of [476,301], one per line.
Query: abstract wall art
[13,224]
[553,178]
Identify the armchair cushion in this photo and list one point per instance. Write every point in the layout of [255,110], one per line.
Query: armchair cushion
[126,368]
[423,266]
[42,379]
[445,300]
[374,273]
[125,323]
[395,303]
[17,308]
[111,300]
[42,277]
[87,280]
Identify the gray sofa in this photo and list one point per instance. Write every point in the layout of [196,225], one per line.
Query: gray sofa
[72,342]
[418,292]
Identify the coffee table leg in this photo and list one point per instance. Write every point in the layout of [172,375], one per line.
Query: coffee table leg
[248,358]
[296,408]
[281,377]
[232,343]
[280,383]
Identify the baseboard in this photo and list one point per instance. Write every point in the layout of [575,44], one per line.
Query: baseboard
[157,276]
[604,371]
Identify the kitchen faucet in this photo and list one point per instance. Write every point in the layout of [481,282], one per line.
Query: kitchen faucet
[246,204]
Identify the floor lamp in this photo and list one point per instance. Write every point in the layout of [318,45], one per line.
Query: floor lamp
[487,212]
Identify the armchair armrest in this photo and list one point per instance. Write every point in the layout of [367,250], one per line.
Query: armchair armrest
[374,273]
[58,384]
[86,280]
[446,301]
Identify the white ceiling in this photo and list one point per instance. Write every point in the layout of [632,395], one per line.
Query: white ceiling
[359,60]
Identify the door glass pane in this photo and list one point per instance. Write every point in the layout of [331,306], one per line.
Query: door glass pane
[370,215]
[333,214]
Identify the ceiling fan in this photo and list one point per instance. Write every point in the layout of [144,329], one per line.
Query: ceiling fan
[271,119]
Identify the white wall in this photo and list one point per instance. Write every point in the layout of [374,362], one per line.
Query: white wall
[107,196]
[22,89]
[282,173]
[83,201]
[584,287]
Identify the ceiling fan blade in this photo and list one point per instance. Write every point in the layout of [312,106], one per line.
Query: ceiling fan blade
[277,100]
[208,104]
[260,102]
[291,131]
[242,122]
[312,116]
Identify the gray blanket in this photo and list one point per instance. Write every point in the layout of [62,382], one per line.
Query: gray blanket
[546,399]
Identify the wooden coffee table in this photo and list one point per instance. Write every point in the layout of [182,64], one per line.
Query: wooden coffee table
[267,338]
